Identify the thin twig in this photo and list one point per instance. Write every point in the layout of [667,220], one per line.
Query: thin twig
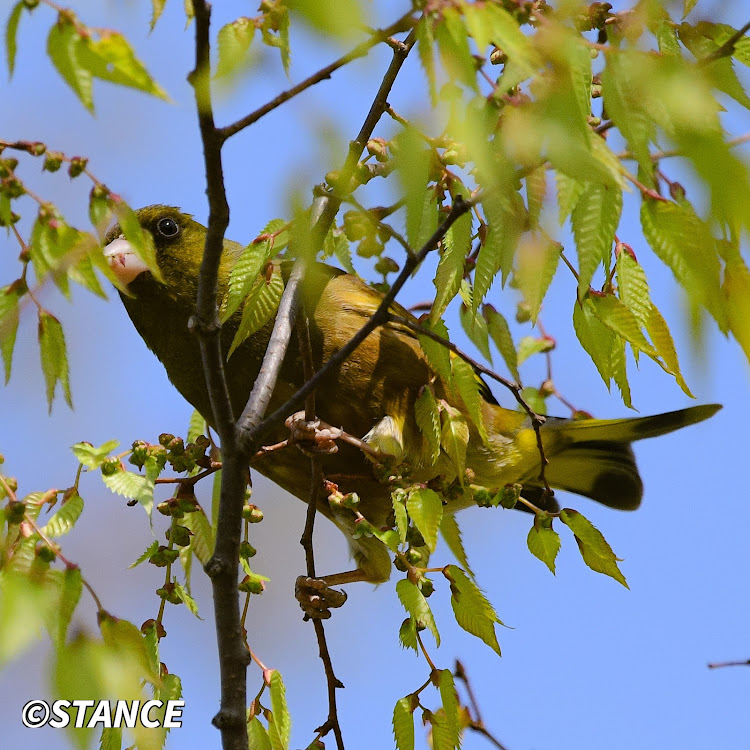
[323,74]
[720,664]
[477,723]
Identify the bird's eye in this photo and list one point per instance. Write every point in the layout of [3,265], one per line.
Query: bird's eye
[167,227]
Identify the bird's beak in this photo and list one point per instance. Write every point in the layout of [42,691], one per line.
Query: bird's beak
[123,260]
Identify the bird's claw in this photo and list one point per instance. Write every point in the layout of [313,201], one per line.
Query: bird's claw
[314,436]
[317,598]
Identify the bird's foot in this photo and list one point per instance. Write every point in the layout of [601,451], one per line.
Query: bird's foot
[316,597]
[312,436]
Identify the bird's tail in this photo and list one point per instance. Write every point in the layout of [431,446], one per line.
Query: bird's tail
[595,458]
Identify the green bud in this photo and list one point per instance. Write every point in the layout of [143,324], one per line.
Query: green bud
[386,265]
[399,564]
[168,593]
[7,166]
[426,587]
[14,512]
[356,226]
[180,535]
[31,4]
[414,537]
[509,495]
[165,439]
[247,550]
[45,553]
[12,187]
[351,500]
[163,556]
[77,165]
[369,246]
[251,585]
[110,466]
[484,498]
[52,161]
[252,513]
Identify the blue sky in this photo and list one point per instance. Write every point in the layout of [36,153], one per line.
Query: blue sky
[587,664]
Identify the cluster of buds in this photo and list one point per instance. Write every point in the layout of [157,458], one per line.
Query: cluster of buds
[506,496]
[172,450]
[183,502]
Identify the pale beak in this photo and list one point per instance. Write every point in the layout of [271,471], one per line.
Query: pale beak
[123,260]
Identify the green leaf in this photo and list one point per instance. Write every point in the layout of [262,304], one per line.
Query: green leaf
[399,511]
[111,58]
[499,246]
[343,252]
[468,384]
[632,286]
[417,606]
[150,550]
[449,698]
[425,508]
[618,318]
[202,541]
[70,595]
[92,457]
[257,736]
[687,6]
[569,191]
[543,541]
[596,338]
[110,738]
[475,327]
[659,332]
[538,259]
[596,553]
[186,599]
[65,517]
[453,46]
[427,415]
[11,30]
[234,41]
[454,438]
[619,370]
[736,290]
[63,47]
[244,276]
[21,616]
[407,634]
[196,427]
[685,244]
[403,723]
[595,219]
[498,329]
[157,8]
[472,610]
[456,246]
[9,296]
[534,398]
[412,162]
[425,44]
[509,37]
[54,357]
[437,355]
[530,345]
[281,728]
[260,307]
[341,18]
[134,486]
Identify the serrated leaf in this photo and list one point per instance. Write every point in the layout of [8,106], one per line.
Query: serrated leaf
[619,370]
[594,220]
[685,244]
[65,517]
[111,58]
[425,508]
[497,250]
[543,541]
[403,724]
[454,438]
[257,735]
[437,355]
[417,606]
[467,384]
[722,33]
[412,162]
[244,275]
[632,287]
[455,247]
[472,610]
[260,307]
[150,550]
[451,534]
[54,357]
[63,47]
[538,259]
[9,296]
[425,44]
[234,40]
[281,728]
[196,427]
[186,599]
[407,635]
[475,327]
[507,34]
[453,46]
[596,339]
[569,190]
[659,332]
[449,699]
[399,511]
[530,345]
[11,30]
[91,456]
[427,414]
[498,329]
[595,550]
[202,541]
[70,595]
[343,252]
[134,486]
[618,318]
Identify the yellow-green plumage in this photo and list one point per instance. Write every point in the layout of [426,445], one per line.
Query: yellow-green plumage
[373,392]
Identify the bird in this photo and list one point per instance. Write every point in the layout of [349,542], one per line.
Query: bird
[371,396]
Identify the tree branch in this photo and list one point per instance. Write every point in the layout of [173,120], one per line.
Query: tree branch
[323,74]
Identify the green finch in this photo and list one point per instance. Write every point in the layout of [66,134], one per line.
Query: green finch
[374,395]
